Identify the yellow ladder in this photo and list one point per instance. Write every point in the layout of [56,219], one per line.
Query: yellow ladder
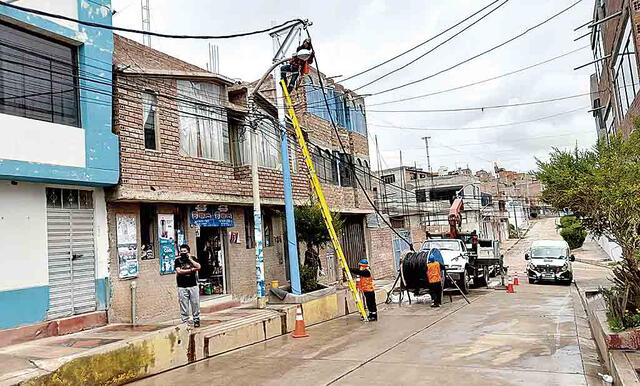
[326,214]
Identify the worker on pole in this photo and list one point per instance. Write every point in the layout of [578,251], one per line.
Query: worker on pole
[364,282]
[297,66]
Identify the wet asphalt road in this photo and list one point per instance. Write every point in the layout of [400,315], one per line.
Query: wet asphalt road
[537,336]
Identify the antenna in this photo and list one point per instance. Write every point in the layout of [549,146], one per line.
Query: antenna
[146,22]
[214,59]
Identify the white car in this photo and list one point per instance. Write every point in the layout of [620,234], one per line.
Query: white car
[456,259]
[549,260]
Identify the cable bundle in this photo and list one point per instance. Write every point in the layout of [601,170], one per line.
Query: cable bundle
[413,269]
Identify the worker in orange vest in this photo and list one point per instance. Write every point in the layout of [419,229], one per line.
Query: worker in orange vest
[364,282]
[435,276]
[297,66]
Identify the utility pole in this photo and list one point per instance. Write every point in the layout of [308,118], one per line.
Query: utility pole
[255,182]
[280,50]
[402,187]
[426,145]
[383,188]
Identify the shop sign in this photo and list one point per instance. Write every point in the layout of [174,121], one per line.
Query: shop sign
[167,236]
[210,217]
[127,246]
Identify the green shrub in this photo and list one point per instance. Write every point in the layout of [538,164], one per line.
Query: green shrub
[308,278]
[567,221]
[574,236]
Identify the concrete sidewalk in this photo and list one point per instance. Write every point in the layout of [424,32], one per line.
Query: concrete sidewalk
[120,353]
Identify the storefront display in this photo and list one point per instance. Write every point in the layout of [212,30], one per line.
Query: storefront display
[210,223]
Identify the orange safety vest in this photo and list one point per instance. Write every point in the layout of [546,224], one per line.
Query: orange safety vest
[433,272]
[365,284]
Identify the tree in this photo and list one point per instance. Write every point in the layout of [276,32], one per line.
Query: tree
[601,186]
[311,228]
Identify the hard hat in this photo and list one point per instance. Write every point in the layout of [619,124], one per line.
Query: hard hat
[364,262]
[303,54]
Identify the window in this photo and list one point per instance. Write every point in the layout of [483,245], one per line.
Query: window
[335,161]
[346,170]
[69,198]
[626,71]
[149,120]
[268,138]
[421,195]
[596,48]
[204,131]
[267,229]
[249,228]
[249,231]
[147,230]
[609,120]
[444,194]
[388,179]
[38,77]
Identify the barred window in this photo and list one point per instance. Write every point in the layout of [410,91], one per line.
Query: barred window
[38,77]
[149,108]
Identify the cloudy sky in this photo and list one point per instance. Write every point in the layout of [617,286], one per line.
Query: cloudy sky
[354,35]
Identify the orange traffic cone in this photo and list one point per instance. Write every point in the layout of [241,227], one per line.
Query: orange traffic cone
[299,332]
[515,279]
[510,289]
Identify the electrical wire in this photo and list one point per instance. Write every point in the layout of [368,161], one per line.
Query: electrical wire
[480,81]
[149,33]
[480,54]
[364,191]
[420,44]
[431,50]
[484,127]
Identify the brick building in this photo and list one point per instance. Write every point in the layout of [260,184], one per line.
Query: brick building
[184,148]
[615,83]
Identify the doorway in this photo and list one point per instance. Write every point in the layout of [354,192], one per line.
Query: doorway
[211,256]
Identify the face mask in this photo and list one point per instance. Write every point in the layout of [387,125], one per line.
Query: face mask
[184,254]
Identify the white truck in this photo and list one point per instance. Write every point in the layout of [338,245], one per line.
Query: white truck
[466,264]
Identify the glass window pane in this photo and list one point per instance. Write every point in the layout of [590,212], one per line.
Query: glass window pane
[54,198]
[86,199]
[69,199]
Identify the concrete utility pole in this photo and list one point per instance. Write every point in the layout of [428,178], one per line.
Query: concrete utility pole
[255,184]
[426,145]
[280,50]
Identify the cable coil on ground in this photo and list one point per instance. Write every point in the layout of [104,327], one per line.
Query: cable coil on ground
[413,269]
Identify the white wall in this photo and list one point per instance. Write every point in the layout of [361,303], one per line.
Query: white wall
[101,233]
[23,236]
[30,140]
[613,250]
[67,8]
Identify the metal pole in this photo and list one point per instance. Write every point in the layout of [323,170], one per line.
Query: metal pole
[292,240]
[426,145]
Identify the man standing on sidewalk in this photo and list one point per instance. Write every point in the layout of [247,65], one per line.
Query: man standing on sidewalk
[188,292]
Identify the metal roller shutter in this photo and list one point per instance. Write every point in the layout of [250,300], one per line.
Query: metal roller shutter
[71,261]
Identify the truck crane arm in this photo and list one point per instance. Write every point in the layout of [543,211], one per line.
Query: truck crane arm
[455,217]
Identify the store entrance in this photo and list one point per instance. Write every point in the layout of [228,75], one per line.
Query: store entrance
[212,275]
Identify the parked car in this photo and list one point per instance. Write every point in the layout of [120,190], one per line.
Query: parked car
[549,260]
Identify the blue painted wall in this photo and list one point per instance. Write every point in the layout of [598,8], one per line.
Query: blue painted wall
[95,56]
[23,306]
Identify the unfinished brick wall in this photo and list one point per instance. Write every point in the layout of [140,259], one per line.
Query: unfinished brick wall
[381,256]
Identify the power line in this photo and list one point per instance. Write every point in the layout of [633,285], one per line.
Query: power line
[431,50]
[420,44]
[480,81]
[149,33]
[482,108]
[364,191]
[468,84]
[480,54]
[483,127]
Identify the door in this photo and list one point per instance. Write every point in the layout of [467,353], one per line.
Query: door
[353,243]
[71,253]
[399,246]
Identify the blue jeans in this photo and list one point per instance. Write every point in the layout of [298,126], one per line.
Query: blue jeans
[189,296]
